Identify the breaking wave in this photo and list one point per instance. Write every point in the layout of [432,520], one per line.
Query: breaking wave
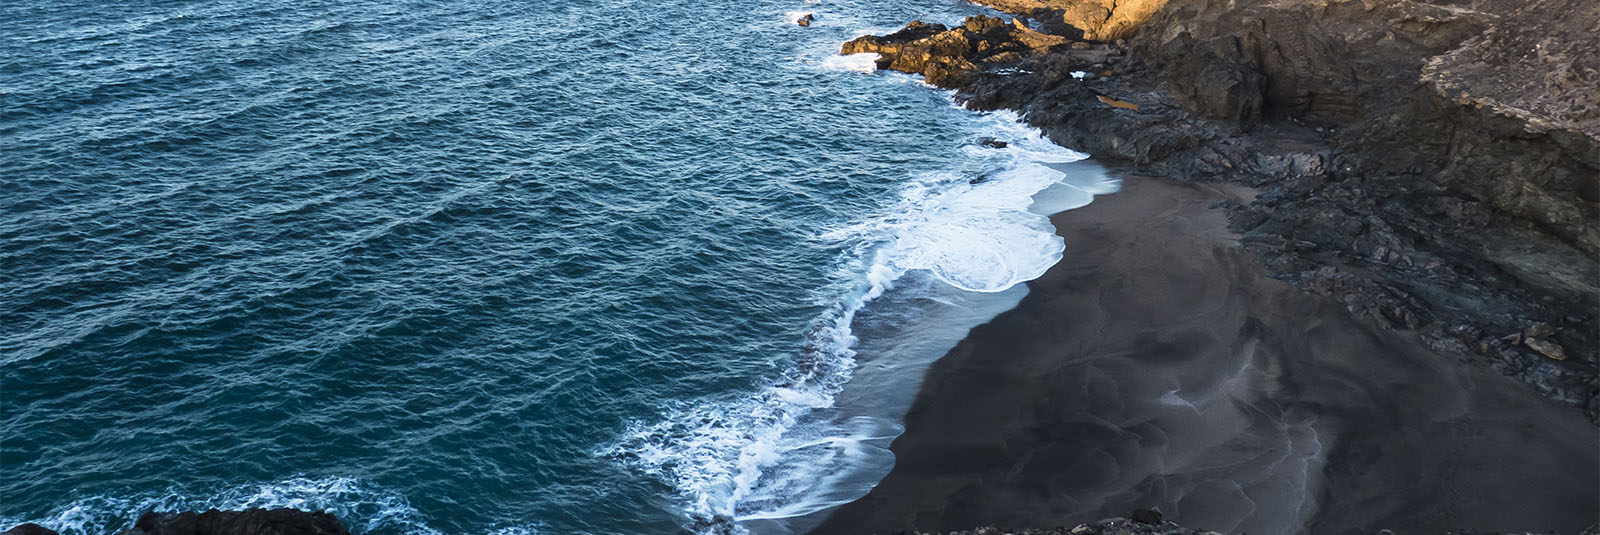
[764,456]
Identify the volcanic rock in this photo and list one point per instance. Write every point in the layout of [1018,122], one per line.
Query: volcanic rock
[247,522]
[29,529]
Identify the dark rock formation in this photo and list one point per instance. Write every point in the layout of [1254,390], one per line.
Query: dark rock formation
[1146,516]
[246,522]
[30,529]
[805,20]
[1433,165]
[949,56]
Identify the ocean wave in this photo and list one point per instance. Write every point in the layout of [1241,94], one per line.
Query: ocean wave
[754,457]
[866,62]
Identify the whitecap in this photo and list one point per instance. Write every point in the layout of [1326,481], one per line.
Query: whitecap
[867,62]
[760,456]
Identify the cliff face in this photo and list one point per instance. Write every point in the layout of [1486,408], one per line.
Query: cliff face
[1432,164]
[1492,100]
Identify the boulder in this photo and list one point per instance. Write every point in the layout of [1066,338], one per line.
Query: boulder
[1146,516]
[29,529]
[247,522]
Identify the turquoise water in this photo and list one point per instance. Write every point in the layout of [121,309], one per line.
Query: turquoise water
[485,267]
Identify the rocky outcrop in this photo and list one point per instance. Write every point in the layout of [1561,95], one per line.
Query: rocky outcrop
[949,56]
[30,529]
[1433,165]
[247,522]
[1103,20]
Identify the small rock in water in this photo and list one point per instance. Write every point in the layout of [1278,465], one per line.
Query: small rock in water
[806,19]
[992,143]
[253,521]
[30,529]
[714,525]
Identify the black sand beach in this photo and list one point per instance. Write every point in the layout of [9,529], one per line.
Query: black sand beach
[1158,366]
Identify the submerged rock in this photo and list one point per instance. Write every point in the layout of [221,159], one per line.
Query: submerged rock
[247,522]
[29,529]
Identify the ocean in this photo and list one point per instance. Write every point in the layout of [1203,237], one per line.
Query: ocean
[486,267]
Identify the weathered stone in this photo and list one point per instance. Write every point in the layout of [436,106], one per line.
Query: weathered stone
[1546,348]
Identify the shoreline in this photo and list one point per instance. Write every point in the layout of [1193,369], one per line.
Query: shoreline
[1354,314]
[1158,359]
[1451,220]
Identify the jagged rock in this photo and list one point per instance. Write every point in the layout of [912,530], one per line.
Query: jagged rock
[1100,20]
[805,20]
[1214,81]
[29,529]
[247,522]
[950,57]
[713,525]
[992,143]
[1546,348]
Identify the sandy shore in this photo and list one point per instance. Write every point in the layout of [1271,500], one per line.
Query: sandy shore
[1157,365]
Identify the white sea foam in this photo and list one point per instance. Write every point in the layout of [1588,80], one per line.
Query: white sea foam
[362,508]
[763,456]
[867,62]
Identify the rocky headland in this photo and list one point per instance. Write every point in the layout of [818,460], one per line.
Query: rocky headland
[1434,165]
[1344,224]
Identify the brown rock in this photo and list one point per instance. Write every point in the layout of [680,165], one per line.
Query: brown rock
[1546,348]
[1123,104]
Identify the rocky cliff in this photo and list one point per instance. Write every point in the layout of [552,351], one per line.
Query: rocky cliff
[1432,164]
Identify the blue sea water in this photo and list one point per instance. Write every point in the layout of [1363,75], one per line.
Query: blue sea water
[485,267]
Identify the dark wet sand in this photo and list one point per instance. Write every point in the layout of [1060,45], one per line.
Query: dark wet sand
[1156,365]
